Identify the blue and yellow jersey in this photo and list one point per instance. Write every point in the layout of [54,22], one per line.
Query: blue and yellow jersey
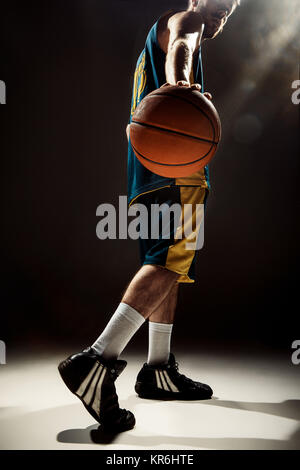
[150,75]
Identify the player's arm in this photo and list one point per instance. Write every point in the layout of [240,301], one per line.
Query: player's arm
[185,32]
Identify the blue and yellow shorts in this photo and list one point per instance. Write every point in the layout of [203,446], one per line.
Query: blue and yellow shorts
[171,252]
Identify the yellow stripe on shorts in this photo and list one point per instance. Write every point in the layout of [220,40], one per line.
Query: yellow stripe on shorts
[179,259]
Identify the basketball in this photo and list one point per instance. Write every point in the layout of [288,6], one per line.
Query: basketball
[175,131]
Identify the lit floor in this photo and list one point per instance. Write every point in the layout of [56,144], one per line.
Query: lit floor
[256,405]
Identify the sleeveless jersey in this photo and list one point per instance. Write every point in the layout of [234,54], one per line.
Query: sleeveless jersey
[150,75]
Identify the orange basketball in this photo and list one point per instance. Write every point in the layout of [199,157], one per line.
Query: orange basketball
[175,131]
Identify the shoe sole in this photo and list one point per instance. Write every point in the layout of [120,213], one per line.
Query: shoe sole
[64,371]
[158,394]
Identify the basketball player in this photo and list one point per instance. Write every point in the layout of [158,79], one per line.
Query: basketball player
[172,55]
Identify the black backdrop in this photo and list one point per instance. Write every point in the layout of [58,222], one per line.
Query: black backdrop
[68,68]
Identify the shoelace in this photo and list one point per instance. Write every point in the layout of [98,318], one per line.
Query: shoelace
[181,376]
[113,374]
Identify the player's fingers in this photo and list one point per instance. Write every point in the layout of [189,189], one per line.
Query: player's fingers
[182,83]
[208,96]
[165,84]
[196,86]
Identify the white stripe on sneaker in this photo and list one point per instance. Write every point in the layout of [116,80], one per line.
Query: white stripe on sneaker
[90,393]
[97,400]
[86,381]
[169,381]
[163,381]
[157,379]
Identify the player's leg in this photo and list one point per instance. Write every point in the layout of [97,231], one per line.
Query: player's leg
[160,329]
[147,290]
[165,312]
[163,380]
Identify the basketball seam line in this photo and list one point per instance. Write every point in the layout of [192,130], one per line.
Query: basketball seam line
[170,164]
[175,132]
[187,101]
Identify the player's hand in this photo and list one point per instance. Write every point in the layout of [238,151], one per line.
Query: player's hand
[208,96]
[193,86]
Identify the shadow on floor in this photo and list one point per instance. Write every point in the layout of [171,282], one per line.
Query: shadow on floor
[23,429]
[287,409]
[96,436]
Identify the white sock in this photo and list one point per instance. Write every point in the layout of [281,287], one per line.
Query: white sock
[159,342]
[118,332]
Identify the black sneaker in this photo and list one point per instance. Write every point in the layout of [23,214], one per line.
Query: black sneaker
[164,382]
[91,378]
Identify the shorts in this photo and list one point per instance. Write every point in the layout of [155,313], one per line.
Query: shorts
[171,252]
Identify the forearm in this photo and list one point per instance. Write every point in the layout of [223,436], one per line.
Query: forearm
[179,62]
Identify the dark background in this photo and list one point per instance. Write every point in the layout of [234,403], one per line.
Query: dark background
[68,68]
